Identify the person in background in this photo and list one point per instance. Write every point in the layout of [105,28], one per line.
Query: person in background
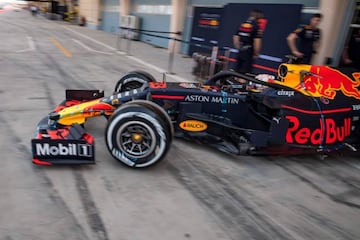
[248,39]
[309,40]
[351,54]
[34,10]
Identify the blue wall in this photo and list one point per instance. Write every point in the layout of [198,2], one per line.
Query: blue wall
[161,22]
[220,3]
[110,21]
[306,3]
[156,21]
[110,16]
[274,46]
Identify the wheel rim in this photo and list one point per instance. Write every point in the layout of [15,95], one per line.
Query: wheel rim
[132,85]
[136,139]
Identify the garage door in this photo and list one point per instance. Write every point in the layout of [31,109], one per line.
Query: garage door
[110,15]
[155,16]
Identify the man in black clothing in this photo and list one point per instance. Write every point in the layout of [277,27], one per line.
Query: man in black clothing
[309,40]
[247,40]
[352,52]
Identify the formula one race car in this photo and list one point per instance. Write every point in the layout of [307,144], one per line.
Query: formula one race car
[304,108]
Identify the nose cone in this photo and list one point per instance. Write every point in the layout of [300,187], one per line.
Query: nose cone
[54,116]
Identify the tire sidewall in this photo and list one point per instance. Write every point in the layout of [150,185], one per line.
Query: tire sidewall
[145,118]
[136,76]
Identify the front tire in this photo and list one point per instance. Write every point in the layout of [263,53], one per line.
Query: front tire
[133,80]
[137,136]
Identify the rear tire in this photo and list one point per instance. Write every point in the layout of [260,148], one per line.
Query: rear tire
[138,136]
[221,78]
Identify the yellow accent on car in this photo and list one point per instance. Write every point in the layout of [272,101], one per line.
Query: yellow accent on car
[76,114]
[246,25]
[289,74]
[193,125]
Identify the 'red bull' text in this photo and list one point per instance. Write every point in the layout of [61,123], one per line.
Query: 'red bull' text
[328,132]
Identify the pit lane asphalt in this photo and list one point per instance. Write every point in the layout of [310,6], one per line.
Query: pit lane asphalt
[195,193]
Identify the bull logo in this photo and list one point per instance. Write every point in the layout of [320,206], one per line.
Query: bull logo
[328,81]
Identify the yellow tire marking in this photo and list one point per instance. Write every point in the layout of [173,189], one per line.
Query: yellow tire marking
[65,51]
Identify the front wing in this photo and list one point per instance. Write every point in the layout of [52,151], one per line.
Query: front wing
[64,145]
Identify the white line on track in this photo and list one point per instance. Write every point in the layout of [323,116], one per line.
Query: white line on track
[91,39]
[160,70]
[31,45]
[90,49]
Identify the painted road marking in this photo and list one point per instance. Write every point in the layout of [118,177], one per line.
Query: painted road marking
[31,45]
[160,70]
[91,39]
[90,49]
[65,51]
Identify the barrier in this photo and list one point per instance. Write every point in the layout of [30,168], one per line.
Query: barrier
[209,64]
[206,65]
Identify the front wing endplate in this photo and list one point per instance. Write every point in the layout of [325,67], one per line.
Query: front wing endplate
[47,151]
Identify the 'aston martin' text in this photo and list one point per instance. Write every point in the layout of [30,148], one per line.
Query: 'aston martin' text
[212,99]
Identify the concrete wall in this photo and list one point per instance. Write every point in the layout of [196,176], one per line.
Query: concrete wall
[90,9]
[335,20]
